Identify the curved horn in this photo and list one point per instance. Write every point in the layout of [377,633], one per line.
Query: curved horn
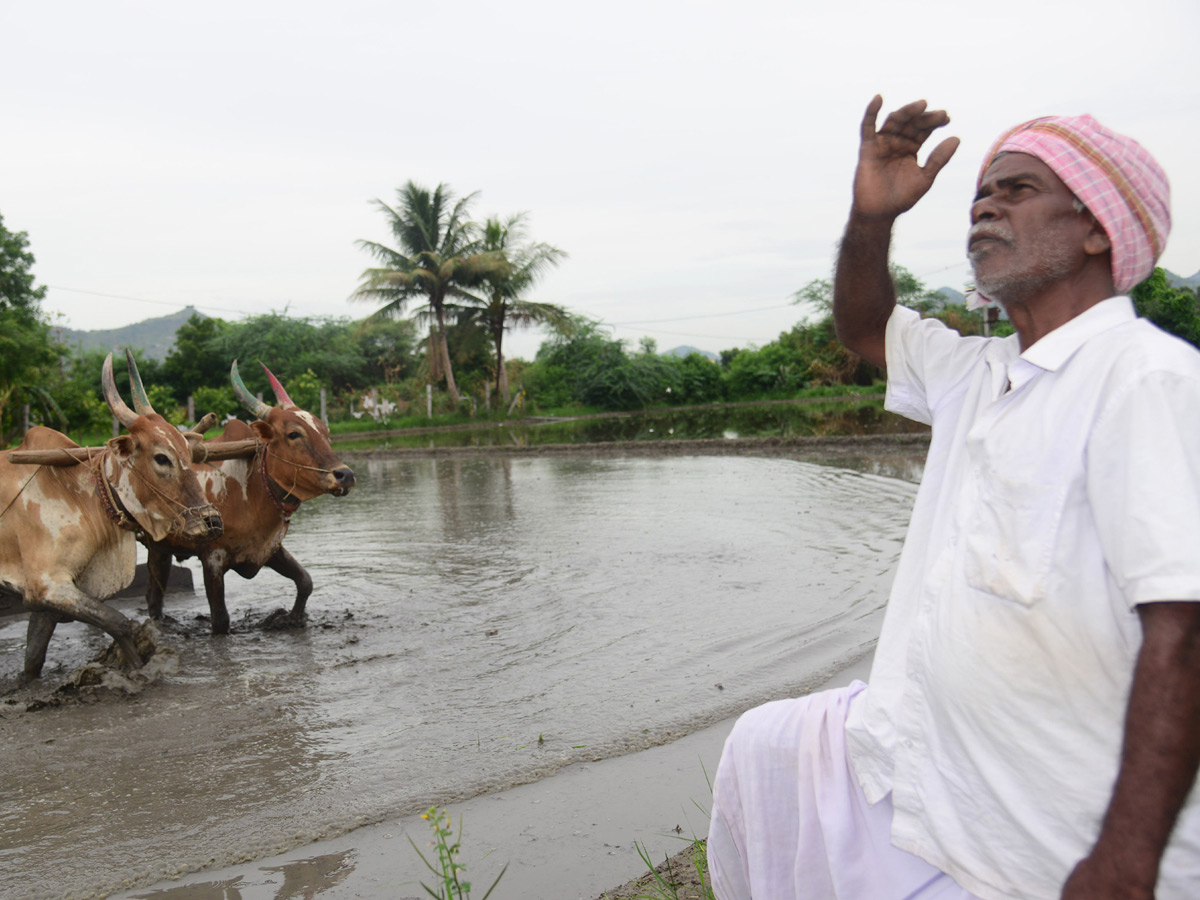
[124,414]
[253,404]
[280,394]
[141,403]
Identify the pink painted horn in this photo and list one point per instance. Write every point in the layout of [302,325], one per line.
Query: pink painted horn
[280,394]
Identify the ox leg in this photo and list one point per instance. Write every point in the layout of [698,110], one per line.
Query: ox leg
[63,606]
[37,640]
[214,588]
[287,566]
[158,568]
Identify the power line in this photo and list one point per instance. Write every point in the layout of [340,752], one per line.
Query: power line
[59,287]
[739,312]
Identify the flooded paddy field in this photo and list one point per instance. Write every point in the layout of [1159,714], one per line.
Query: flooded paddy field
[819,417]
[476,623]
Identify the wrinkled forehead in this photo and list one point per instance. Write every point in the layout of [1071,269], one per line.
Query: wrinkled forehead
[1011,164]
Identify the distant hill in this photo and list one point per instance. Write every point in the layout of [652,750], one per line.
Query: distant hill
[1175,281]
[685,350]
[953,297]
[155,337]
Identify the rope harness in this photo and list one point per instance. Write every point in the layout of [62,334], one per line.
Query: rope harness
[117,512]
[20,492]
[110,501]
[285,509]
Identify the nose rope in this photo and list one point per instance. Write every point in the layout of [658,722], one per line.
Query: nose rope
[302,466]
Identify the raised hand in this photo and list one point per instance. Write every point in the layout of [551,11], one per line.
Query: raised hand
[889,179]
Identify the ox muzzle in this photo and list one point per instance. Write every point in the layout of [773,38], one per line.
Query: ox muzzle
[343,481]
[202,523]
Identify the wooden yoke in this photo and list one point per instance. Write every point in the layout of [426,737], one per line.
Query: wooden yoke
[202,451]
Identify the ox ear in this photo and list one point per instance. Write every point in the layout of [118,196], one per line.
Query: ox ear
[262,430]
[123,445]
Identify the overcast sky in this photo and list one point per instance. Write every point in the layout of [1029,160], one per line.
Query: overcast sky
[694,159]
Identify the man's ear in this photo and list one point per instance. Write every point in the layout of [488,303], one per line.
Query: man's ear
[1097,241]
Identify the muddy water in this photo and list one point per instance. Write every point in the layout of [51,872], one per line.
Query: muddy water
[476,623]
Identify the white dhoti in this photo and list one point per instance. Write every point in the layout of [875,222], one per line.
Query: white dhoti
[790,822]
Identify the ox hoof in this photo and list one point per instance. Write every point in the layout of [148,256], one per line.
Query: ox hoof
[281,620]
[132,650]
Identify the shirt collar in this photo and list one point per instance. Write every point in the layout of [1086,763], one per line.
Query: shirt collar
[1054,349]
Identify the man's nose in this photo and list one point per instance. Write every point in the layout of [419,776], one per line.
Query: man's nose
[983,209]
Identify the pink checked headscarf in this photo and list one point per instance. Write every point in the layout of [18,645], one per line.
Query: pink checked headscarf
[1112,175]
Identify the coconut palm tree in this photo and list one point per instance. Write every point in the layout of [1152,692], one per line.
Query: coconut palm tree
[438,256]
[503,307]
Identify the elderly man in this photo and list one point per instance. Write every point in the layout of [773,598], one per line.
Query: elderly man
[1032,724]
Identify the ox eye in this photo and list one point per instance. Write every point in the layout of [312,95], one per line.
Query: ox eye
[295,436]
[162,459]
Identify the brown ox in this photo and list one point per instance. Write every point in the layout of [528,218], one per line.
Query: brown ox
[256,498]
[67,533]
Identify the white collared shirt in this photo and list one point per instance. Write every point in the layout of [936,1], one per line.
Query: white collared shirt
[1062,488]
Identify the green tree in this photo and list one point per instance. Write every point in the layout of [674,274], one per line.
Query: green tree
[700,380]
[503,307]
[388,347]
[438,256]
[28,355]
[584,364]
[1173,309]
[196,359]
[290,347]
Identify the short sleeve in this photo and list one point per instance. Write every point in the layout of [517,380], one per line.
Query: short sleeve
[1143,474]
[925,359]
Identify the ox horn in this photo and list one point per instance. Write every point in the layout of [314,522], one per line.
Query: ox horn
[247,399]
[280,394]
[141,403]
[124,414]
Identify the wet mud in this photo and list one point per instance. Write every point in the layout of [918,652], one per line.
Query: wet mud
[476,623]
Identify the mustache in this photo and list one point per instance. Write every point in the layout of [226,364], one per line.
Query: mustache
[991,231]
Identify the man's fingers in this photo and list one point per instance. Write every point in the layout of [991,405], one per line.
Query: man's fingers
[940,156]
[868,122]
[901,120]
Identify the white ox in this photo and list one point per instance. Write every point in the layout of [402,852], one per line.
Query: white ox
[67,531]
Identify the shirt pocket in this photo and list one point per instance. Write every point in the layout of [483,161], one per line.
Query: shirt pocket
[1009,544]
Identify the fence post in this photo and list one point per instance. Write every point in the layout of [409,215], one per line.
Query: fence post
[191,412]
[519,398]
[324,417]
[487,397]
[116,426]
[25,417]
[429,401]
